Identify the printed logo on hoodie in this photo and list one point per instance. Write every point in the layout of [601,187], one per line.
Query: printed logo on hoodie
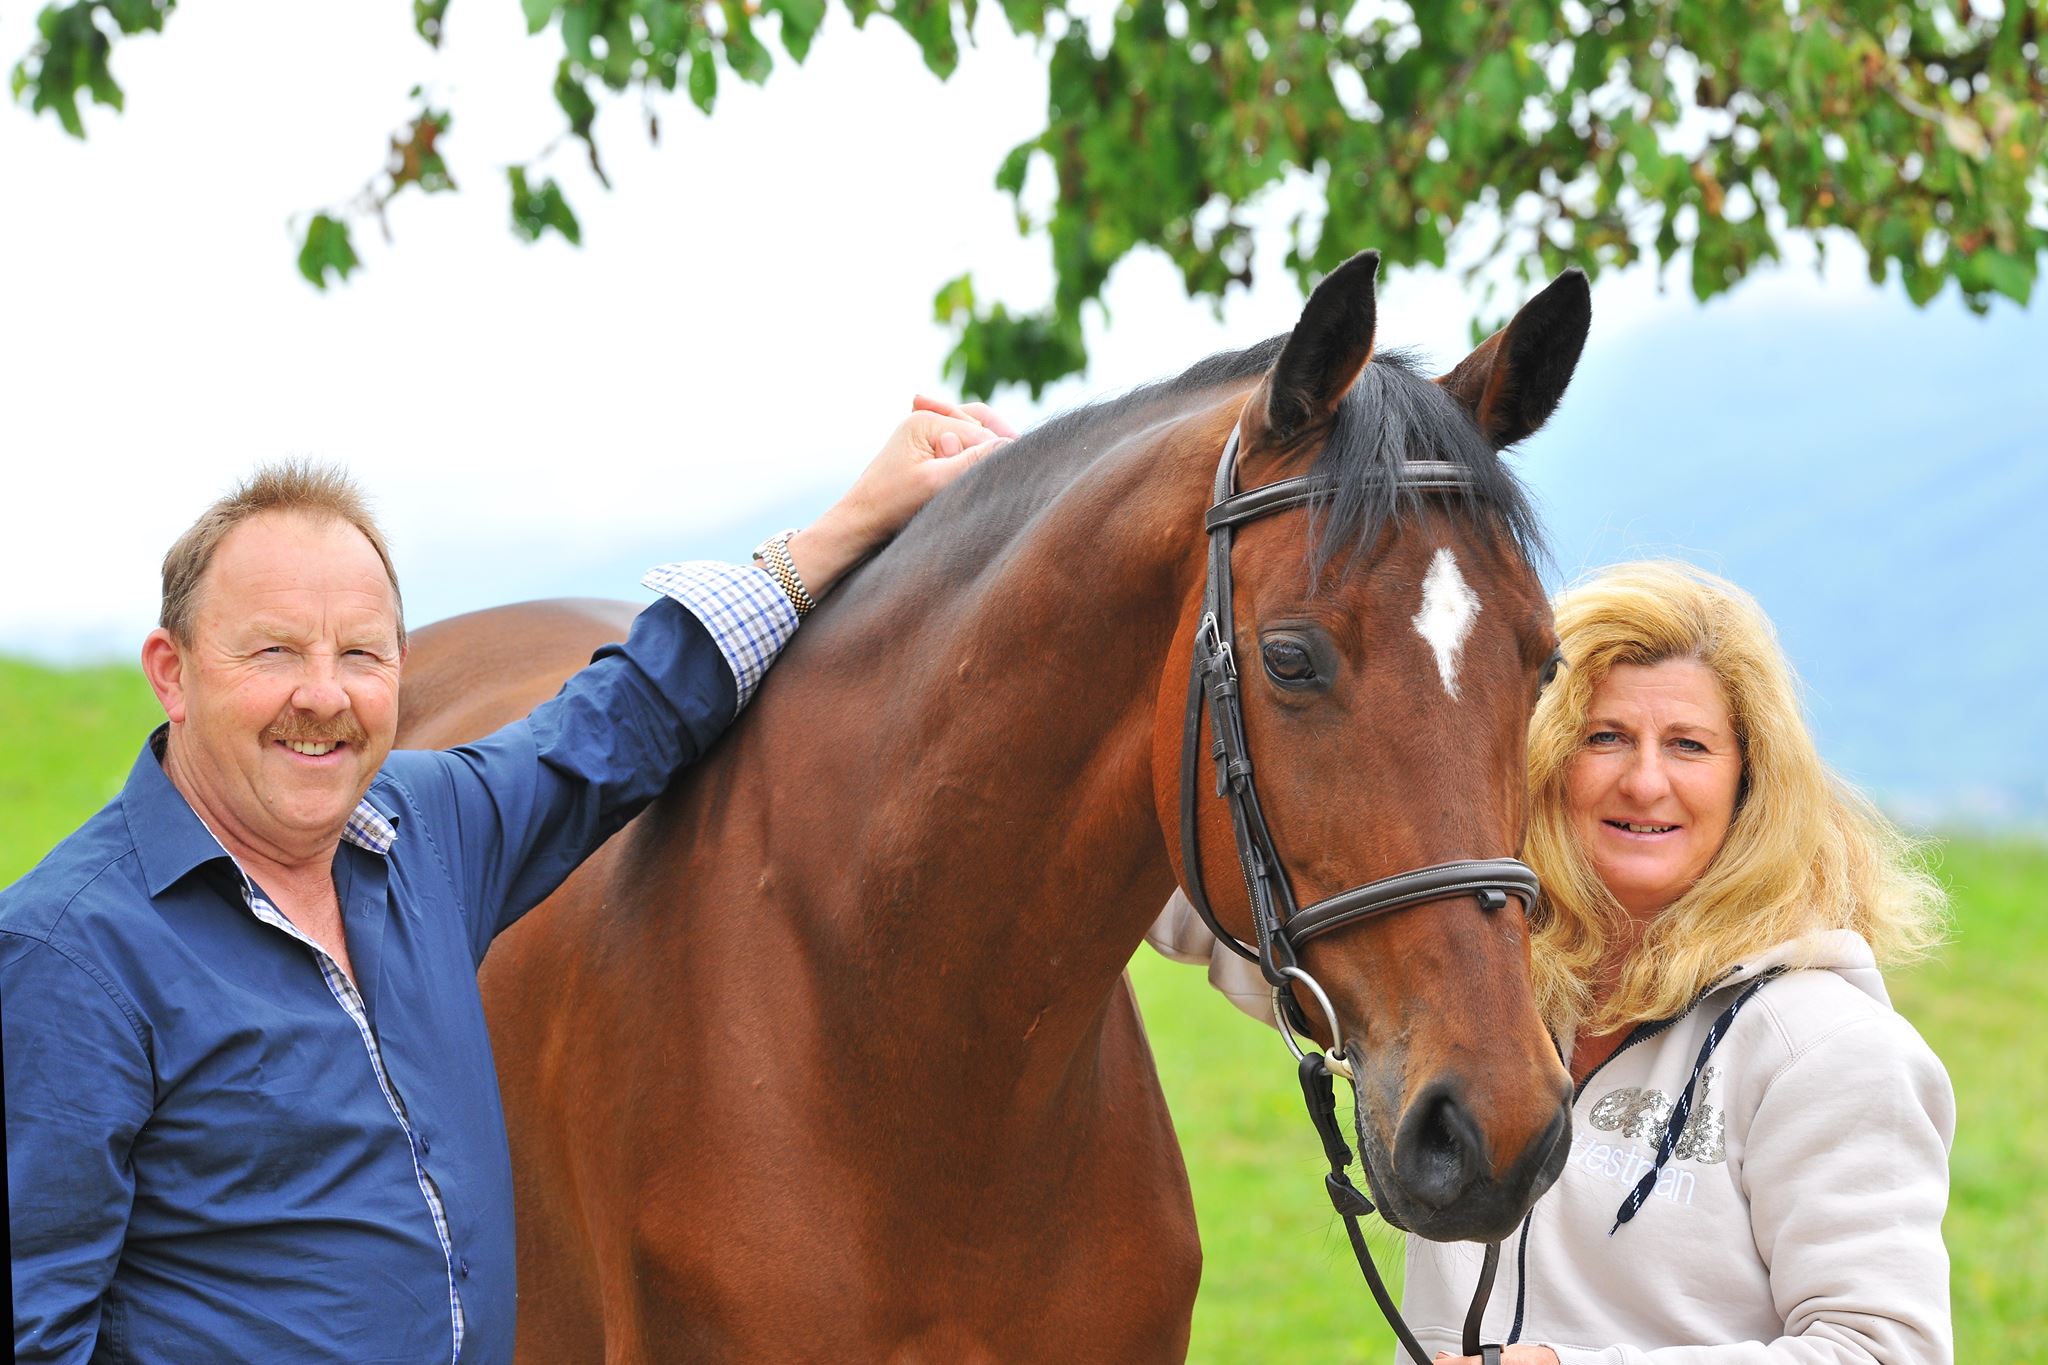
[1640,1113]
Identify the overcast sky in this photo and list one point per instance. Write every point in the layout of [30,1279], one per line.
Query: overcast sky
[748,317]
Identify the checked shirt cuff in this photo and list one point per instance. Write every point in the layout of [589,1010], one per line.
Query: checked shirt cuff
[748,617]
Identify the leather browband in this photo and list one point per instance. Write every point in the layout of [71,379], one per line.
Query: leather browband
[1275,497]
[1471,877]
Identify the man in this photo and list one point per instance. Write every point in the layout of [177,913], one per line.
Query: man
[251,1109]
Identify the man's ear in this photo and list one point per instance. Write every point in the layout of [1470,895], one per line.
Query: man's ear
[164,665]
[1511,384]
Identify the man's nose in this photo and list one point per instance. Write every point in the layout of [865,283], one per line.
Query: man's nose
[320,692]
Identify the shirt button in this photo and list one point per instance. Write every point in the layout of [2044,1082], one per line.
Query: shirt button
[462,1264]
[426,1146]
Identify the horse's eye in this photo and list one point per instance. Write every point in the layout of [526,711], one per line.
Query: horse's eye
[1287,662]
[1550,669]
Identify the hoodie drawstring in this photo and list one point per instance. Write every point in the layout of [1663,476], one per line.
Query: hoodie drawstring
[1682,1110]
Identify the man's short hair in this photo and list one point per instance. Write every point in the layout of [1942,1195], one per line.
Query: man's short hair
[320,490]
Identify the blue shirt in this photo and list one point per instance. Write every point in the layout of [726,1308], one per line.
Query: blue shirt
[217,1149]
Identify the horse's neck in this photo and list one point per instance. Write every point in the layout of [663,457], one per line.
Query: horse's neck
[989,832]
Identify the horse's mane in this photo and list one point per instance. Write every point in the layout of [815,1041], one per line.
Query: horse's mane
[1393,413]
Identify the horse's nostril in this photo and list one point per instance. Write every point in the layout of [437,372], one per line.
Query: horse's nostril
[1437,1152]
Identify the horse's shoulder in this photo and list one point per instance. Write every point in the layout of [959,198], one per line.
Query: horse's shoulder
[470,674]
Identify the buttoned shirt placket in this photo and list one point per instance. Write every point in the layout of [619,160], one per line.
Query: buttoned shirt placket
[368,829]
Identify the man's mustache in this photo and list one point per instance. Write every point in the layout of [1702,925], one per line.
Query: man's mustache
[298,727]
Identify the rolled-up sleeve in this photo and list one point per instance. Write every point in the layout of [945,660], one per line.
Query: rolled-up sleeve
[518,810]
[742,609]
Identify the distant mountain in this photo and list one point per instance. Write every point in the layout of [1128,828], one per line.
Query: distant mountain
[1877,477]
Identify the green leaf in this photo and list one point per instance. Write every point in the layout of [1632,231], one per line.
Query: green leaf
[538,12]
[1010,175]
[1496,82]
[70,57]
[326,248]
[2012,276]
[744,52]
[141,16]
[1923,282]
[429,18]
[955,299]
[1034,349]
[703,78]
[577,26]
[1027,16]
[800,22]
[575,101]
[536,209]
[930,22]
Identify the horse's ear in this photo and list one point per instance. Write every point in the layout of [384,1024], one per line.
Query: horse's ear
[1511,384]
[1327,350]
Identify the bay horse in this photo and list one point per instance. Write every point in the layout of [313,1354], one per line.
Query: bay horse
[830,1054]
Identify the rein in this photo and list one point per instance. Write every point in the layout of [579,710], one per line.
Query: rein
[1279,925]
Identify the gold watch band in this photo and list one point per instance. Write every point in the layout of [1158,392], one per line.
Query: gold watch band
[773,556]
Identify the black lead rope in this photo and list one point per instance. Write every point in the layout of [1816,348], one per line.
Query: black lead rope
[1319,1090]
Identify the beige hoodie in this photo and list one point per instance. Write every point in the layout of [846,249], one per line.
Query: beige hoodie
[1799,1220]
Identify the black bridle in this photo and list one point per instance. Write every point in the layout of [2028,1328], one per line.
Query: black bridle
[1279,925]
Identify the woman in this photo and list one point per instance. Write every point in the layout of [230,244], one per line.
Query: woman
[1759,1159]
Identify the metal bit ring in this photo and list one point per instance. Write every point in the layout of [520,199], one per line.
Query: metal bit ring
[1334,1057]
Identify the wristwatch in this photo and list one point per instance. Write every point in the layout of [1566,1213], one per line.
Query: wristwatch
[772,555]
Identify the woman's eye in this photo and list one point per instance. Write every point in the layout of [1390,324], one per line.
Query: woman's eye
[1287,661]
[1601,739]
[1690,746]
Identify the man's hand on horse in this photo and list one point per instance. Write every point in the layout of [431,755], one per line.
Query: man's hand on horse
[973,412]
[1512,1355]
[935,445]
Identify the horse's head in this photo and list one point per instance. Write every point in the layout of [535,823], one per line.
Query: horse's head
[1390,641]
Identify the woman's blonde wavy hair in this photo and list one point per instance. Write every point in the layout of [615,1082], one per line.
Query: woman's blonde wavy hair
[1805,852]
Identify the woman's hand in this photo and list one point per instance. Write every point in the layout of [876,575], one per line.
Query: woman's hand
[1511,1355]
[935,445]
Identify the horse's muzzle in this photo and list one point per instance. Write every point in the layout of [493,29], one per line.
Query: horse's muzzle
[1440,1183]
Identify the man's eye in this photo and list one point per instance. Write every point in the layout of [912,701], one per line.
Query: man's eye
[1287,661]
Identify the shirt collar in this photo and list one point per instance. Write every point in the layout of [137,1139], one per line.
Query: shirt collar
[171,839]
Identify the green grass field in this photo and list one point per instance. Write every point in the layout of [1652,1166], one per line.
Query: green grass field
[1278,1278]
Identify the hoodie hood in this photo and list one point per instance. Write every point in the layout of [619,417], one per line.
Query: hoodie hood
[1841,951]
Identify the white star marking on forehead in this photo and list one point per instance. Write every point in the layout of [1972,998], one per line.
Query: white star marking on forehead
[1449,607]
